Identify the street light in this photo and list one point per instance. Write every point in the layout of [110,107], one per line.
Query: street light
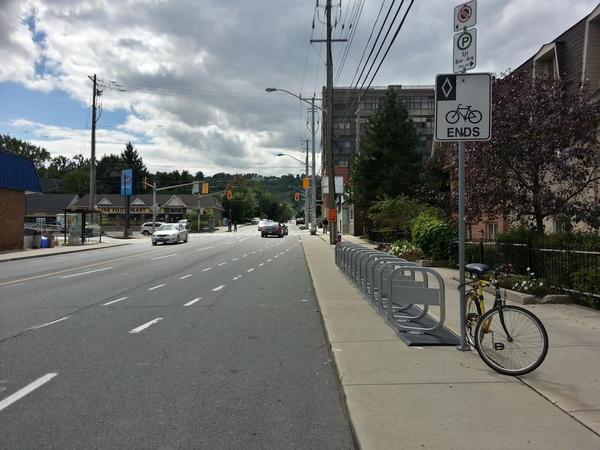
[313,219]
[306,189]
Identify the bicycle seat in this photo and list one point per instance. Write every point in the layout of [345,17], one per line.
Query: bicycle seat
[477,269]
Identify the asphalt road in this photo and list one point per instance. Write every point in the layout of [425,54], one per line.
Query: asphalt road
[216,343]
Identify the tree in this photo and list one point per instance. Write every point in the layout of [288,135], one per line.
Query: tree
[108,174]
[388,162]
[544,155]
[77,180]
[39,155]
[132,160]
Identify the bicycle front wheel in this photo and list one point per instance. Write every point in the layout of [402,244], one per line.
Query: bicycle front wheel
[515,347]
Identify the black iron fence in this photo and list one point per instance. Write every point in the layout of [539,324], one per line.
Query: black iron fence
[569,269]
[387,236]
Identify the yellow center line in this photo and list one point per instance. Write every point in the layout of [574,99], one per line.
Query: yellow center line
[20,280]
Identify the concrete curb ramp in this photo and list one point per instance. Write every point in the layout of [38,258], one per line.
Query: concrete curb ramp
[437,397]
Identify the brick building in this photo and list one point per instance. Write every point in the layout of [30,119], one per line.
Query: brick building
[17,177]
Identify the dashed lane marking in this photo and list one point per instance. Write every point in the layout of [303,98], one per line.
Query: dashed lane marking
[26,390]
[162,257]
[86,273]
[218,288]
[185,276]
[207,269]
[37,327]
[193,301]
[250,270]
[114,301]
[156,287]
[146,325]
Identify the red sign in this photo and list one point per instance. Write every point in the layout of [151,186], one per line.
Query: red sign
[465,13]
[332,215]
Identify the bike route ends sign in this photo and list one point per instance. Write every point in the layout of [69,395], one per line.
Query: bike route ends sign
[463,107]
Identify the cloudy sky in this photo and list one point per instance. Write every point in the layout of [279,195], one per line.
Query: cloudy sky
[191,74]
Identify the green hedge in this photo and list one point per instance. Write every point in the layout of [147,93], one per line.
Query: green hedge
[433,235]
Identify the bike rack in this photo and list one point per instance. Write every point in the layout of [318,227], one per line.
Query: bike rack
[393,285]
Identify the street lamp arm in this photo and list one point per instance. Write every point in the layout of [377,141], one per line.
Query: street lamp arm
[299,97]
[290,156]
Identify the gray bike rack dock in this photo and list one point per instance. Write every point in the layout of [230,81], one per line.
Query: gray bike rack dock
[400,291]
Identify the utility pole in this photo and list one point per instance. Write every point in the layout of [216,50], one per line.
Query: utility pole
[329,130]
[306,217]
[93,157]
[313,192]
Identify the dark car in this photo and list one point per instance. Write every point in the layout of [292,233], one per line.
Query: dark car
[300,221]
[273,229]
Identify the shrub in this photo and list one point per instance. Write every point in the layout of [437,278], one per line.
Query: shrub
[526,285]
[394,213]
[406,250]
[588,280]
[433,235]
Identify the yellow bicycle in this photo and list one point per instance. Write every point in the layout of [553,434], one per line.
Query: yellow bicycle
[509,339]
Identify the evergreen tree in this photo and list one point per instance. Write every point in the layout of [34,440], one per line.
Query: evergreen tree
[132,160]
[388,163]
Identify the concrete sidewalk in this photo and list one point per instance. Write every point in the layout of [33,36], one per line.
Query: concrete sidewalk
[439,397]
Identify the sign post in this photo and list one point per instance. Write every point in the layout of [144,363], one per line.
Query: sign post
[127,192]
[463,112]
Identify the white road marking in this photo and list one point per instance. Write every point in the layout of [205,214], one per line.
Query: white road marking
[253,252]
[26,390]
[250,270]
[222,264]
[114,301]
[218,288]
[85,273]
[270,259]
[166,256]
[146,325]
[204,248]
[193,301]
[230,243]
[261,250]
[243,256]
[304,300]
[237,277]
[207,269]
[235,259]
[49,323]
[276,256]
[185,276]
[156,287]
[261,264]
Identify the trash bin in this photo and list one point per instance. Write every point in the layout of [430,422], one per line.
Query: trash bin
[37,240]
[45,242]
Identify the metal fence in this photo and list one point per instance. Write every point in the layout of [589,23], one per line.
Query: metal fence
[387,236]
[564,268]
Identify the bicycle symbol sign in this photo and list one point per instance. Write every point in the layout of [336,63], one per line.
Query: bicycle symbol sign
[463,107]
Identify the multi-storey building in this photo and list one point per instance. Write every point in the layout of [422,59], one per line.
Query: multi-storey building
[351,112]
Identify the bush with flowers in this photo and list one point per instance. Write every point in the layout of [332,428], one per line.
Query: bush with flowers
[406,250]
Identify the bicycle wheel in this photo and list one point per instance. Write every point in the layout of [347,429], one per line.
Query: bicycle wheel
[523,353]
[474,116]
[473,315]
[452,117]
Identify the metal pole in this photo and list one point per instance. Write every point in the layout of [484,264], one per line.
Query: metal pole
[153,204]
[329,130]
[198,214]
[306,218]
[313,192]
[462,232]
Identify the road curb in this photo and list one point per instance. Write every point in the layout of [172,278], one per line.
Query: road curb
[18,258]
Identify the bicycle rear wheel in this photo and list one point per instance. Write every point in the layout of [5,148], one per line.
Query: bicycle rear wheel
[473,316]
[526,349]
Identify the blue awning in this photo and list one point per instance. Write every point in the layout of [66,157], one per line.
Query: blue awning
[18,173]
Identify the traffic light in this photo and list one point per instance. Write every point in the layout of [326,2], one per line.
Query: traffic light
[297,196]
[205,188]
[229,195]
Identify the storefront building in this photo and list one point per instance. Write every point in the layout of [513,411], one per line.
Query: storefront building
[172,207]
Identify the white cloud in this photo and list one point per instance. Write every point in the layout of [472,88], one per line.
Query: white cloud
[208,62]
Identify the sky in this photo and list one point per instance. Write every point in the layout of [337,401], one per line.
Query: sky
[184,80]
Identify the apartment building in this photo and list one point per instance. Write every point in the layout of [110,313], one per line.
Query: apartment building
[351,112]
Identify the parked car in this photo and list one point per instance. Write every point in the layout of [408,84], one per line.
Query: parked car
[300,221]
[272,229]
[170,233]
[186,223]
[147,229]
[255,220]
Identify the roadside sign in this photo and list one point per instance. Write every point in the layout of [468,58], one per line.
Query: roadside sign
[465,15]
[465,51]
[305,183]
[332,215]
[127,182]
[463,107]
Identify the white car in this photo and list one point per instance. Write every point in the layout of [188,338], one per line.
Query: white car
[262,223]
[147,228]
[170,233]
